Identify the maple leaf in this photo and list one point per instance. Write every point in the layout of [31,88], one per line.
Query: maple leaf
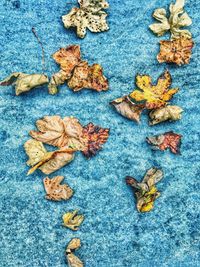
[47,162]
[90,15]
[177,51]
[177,19]
[146,192]
[55,191]
[59,132]
[128,108]
[90,77]
[24,82]
[153,96]
[167,140]
[96,137]
[73,260]
[171,113]
[72,220]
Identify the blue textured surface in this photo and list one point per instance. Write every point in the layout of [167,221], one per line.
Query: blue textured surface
[113,234]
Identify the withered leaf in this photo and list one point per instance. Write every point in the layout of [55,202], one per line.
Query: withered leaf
[24,82]
[153,96]
[72,260]
[55,191]
[72,220]
[89,15]
[55,131]
[128,108]
[167,140]
[47,162]
[177,19]
[146,192]
[176,51]
[171,113]
[96,137]
[90,77]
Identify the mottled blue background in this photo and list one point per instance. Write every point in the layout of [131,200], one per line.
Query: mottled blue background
[113,234]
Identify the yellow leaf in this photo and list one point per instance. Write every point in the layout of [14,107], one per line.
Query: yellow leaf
[153,96]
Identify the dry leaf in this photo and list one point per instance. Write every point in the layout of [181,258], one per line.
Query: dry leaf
[88,77]
[72,260]
[177,19]
[24,82]
[55,191]
[96,137]
[153,96]
[146,192]
[72,221]
[177,51]
[171,113]
[55,131]
[90,15]
[128,108]
[167,140]
[47,162]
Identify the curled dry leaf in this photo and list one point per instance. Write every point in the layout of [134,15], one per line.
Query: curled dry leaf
[55,191]
[55,131]
[24,82]
[89,15]
[167,140]
[178,18]
[171,113]
[72,260]
[153,96]
[76,72]
[96,137]
[90,77]
[72,220]
[146,192]
[128,108]
[176,51]
[47,162]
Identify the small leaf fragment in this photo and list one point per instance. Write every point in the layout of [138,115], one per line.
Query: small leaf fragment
[89,15]
[90,77]
[96,137]
[55,191]
[167,140]
[47,162]
[176,51]
[146,192]
[73,260]
[72,220]
[171,113]
[128,108]
[24,82]
[153,96]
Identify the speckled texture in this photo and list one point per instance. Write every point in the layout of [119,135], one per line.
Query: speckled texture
[113,234]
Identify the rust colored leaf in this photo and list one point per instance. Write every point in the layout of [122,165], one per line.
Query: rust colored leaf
[59,132]
[90,77]
[177,51]
[55,191]
[146,192]
[96,137]
[128,108]
[72,259]
[167,140]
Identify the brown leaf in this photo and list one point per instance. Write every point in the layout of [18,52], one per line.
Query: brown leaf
[90,77]
[167,140]
[72,260]
[96,137]
[55,191]
[59,132]
[177,51]
[127,108]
